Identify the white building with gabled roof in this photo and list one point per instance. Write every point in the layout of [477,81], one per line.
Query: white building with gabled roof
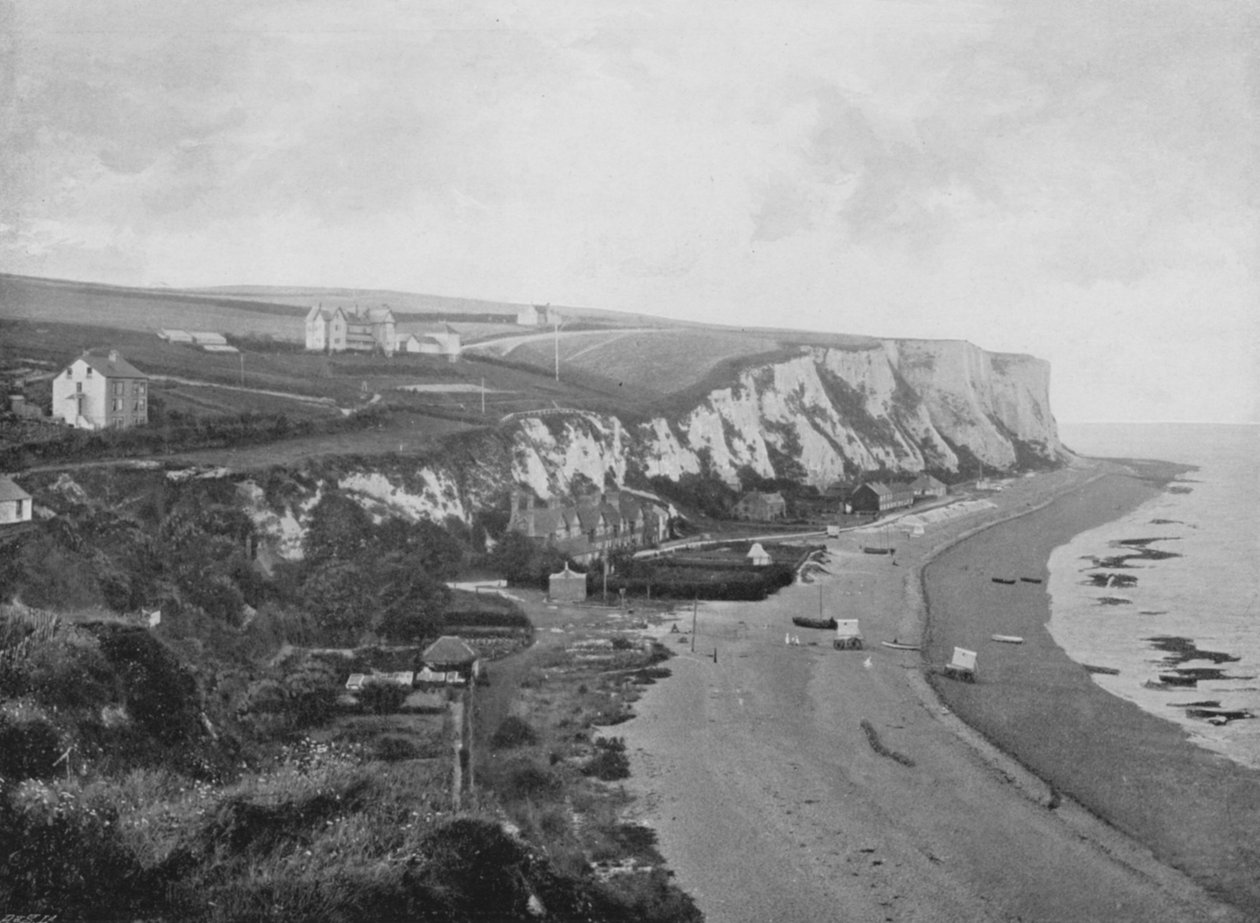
[97,391]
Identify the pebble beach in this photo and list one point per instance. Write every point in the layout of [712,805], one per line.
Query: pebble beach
[791,781]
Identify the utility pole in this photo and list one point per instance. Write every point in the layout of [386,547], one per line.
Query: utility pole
[695,604]
[556,330]
[483,395]
[242,370]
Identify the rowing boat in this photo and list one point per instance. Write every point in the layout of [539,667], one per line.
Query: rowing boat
[804,621]
[899,646]
[1008,639]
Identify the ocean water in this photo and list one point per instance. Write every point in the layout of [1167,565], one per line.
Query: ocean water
[1194,610]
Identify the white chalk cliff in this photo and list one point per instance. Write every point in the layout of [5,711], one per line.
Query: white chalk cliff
[895,406]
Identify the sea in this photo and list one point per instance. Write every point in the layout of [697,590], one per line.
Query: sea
[1170,589]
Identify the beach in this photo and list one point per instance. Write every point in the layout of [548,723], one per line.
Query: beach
[796,782]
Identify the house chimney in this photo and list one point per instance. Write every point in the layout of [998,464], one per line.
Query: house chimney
[113,355]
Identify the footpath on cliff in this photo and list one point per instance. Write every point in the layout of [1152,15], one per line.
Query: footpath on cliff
[796,782]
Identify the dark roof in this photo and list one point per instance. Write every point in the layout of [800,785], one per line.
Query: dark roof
[448,649]
[10,491]
[926,480]
[588,515]
[116,368]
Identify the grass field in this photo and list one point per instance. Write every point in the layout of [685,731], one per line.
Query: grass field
[656,363]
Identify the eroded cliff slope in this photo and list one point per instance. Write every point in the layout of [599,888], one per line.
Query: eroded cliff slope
[893,407]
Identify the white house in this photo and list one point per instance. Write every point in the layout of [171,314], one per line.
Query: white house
[434,340]
[15,503]
[97,391]
[537,315]
[336,331]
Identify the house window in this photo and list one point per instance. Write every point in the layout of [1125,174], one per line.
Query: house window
[78,387]
[117,404]
[140,388]
[89,371]
[69,373]
[20,507]
[118,387]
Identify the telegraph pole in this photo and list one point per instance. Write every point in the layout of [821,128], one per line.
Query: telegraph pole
[695,604]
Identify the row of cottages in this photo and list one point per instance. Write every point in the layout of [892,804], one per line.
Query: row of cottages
[760,507]
[15,503]
[585,529]
[99,391]
[365,330]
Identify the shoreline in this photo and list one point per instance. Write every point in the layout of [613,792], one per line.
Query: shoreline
[1195,810]
[771,802]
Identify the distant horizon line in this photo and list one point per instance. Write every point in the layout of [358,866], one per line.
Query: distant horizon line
[1159,422]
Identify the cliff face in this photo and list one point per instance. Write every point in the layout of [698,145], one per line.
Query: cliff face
[904,405]
[899,405]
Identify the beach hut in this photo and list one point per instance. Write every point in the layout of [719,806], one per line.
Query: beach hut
[963,666]
[848,635]
[567,586]
[758,556]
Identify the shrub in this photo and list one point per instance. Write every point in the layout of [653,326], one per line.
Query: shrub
[513,732]
[525,779]
[382,698]
[29,747]
[610,762]
[392,749]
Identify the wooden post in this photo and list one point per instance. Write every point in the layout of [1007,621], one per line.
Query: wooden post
[456,712]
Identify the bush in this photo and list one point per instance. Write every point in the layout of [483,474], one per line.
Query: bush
[513,732]
[525,779]
[392,749]
[29,748]
[382,698]
[610,762]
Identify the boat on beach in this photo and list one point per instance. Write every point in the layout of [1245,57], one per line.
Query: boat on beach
[1007,639]
[1003,580]
[805,621]
[1107,671]
[900,646]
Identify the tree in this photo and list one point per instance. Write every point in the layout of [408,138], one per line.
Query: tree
[342,598]
[311,692]
[339,529]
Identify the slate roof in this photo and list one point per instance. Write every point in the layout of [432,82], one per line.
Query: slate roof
[10,491]
[118,368]
[448,650]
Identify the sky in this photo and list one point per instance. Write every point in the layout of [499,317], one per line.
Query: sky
[1075,179]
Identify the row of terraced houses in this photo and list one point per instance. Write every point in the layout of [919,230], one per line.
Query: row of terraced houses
[587,528]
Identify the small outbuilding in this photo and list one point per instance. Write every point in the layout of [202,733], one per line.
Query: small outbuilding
[567,586]
[451,655]
[760,506]
[15,503]
[758,556]
[925,486]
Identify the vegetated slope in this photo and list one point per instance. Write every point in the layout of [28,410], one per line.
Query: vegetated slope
[411,302]
[90,304]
